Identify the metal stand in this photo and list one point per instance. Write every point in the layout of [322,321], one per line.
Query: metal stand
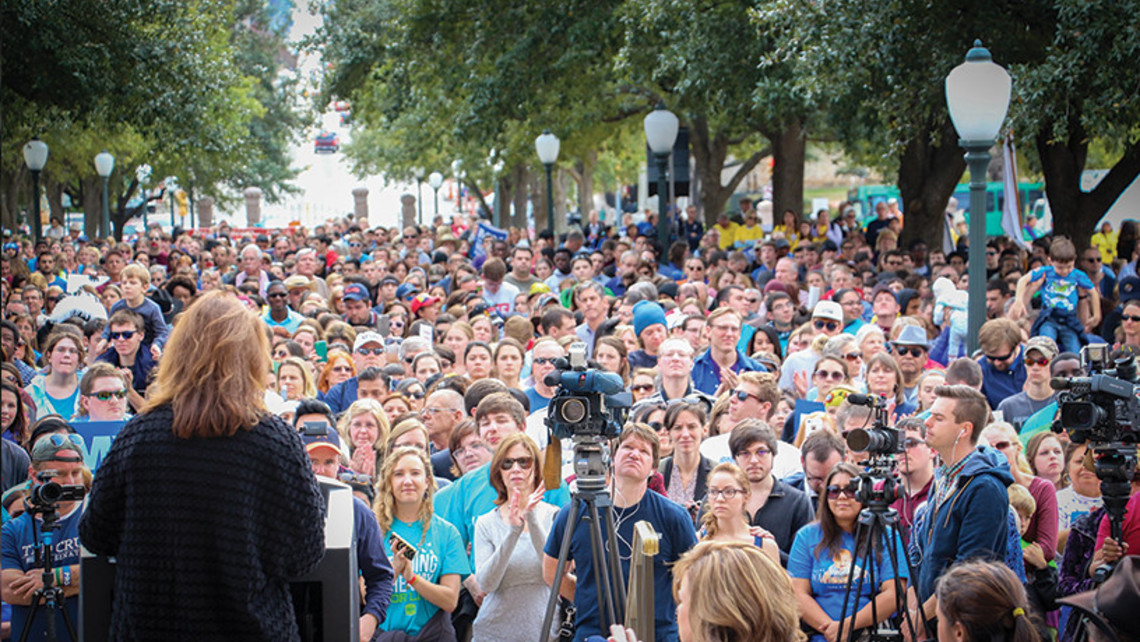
[603,548]
[878,526]
[51,595]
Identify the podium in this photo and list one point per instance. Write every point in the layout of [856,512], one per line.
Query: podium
[326,600]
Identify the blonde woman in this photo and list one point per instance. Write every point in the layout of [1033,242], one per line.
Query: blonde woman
[1042,528]
[364,427]
[294,380]
[426,588]
[727,519]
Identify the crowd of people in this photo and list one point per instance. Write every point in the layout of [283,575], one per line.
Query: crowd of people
[412,364]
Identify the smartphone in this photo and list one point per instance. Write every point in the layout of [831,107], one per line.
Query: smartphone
[322,348]
[400,546]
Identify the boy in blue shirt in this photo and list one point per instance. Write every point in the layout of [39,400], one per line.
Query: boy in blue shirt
[135,281]
[1062,289]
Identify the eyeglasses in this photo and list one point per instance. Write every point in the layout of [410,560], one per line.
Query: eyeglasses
[53,299]
[1040,361]
[354,245]
[62,440]
[907,351]
[547,361]
[853,356]
[125,334]
[725,328]
[820,325]
[727,493]
[355,478]
[1129,317]
[524,463]
[276,295]
[743,395]
[1004,357]
[1001,445]
[911,442]
[835,492]
[475,445]
[364,351]
[107,395]
[641,387]
[759,453]
[830,375]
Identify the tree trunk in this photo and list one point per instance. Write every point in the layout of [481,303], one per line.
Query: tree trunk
[561,189]
[584,176]
[789,149]
[522,191]
[502,216]
[91,195]
[709,152]
[928,174]
[10,203]
[53,190]
[1075,212]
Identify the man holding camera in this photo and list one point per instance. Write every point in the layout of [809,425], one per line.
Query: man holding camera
[56,459]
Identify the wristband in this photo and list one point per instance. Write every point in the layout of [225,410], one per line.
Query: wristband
[412,582]
[55,575]
[66,571]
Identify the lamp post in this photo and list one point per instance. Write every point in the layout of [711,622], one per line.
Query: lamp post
[977,95]
[435,179]
[418,172]
[547,145]
[104,165]
[35,156]
[661,132]
[142,173]
[172,187]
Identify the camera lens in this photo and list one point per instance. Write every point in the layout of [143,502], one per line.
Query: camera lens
[573,411]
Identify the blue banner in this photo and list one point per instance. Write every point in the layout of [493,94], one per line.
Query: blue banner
[483,231]
[97,439]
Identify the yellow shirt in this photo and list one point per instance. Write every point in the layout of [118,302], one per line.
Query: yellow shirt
[747,236]
[1106,243]
[727,234]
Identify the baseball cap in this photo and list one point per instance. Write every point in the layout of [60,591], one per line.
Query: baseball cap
[827,310]
[1046,346]
[1113,606]
[389,280]
[328,440]
[406,291]
[1129,289]
[57,447]
[356,292]
[422,301]
[364,338]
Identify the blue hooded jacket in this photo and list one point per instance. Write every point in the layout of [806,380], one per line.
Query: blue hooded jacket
[971,523]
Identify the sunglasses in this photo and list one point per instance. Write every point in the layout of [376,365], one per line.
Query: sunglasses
[415,395]
[641,387]
[1129,317]
[549,361]
[125,334]
[657,426]
[62,440]
[276,295]
[355,478]
[830,375]
[830,325]
[354,245]
[907,351]
[365,351]
[524,463]
[1004,357]
[835,492]
[853,356]
[110,394]
[911,442]
[1001,445]
[1040,361]
[744,395]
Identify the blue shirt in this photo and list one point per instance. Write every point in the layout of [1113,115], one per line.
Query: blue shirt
[537,401]
[157,332]
[1060,292]
[828,573]
[19,553]
[677,536]
[440,552]
[291,323]
[706,373]
[998,385]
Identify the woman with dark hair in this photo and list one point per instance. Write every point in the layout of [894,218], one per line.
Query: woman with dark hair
[611,355]
[727,518]
[983,602]
[478,360]
[508,362]
[823,554]
[206,413]
[885,378]
[765,339]
[686,471]
[509,571]
[1046,458]
[13,415]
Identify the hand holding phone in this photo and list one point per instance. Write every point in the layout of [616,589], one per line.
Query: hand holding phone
[401,546]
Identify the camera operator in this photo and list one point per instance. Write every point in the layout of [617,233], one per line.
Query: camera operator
[635,459]
[22,574]
[916,470]
[969,500]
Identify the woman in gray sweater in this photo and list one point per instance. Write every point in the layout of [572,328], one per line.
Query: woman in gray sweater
[508,546]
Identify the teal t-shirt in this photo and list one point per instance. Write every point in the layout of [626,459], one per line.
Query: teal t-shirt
[472,496]
[440,553]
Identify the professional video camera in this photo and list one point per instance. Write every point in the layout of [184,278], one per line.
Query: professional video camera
[1103,409]
[880,438]
[46,495]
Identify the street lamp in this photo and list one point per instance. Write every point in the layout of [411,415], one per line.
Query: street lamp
[547,145]
[172,187]
[35,156]
[104,165]
[142,173]
[435,179]
[418,172]
[977,95]
[661,132]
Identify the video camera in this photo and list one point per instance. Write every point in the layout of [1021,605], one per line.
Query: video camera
[589,402]
[46,495]
[880,438]
[1102,407]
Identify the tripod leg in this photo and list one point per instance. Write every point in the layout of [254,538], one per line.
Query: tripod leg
[615,565]
[894,537]
[67,617]
[601,567]
[560,570]
[851,582]
[31,616]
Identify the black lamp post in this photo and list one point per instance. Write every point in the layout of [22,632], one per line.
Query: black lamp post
[977,95]
[547,145]
[35,156]
[661,132]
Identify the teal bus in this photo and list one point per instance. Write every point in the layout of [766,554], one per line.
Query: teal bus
[867,197]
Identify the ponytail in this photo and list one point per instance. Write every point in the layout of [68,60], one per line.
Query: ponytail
[988,601]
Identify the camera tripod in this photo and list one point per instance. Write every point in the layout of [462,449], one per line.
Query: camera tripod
[51,595]
[877,528]
[592,494]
